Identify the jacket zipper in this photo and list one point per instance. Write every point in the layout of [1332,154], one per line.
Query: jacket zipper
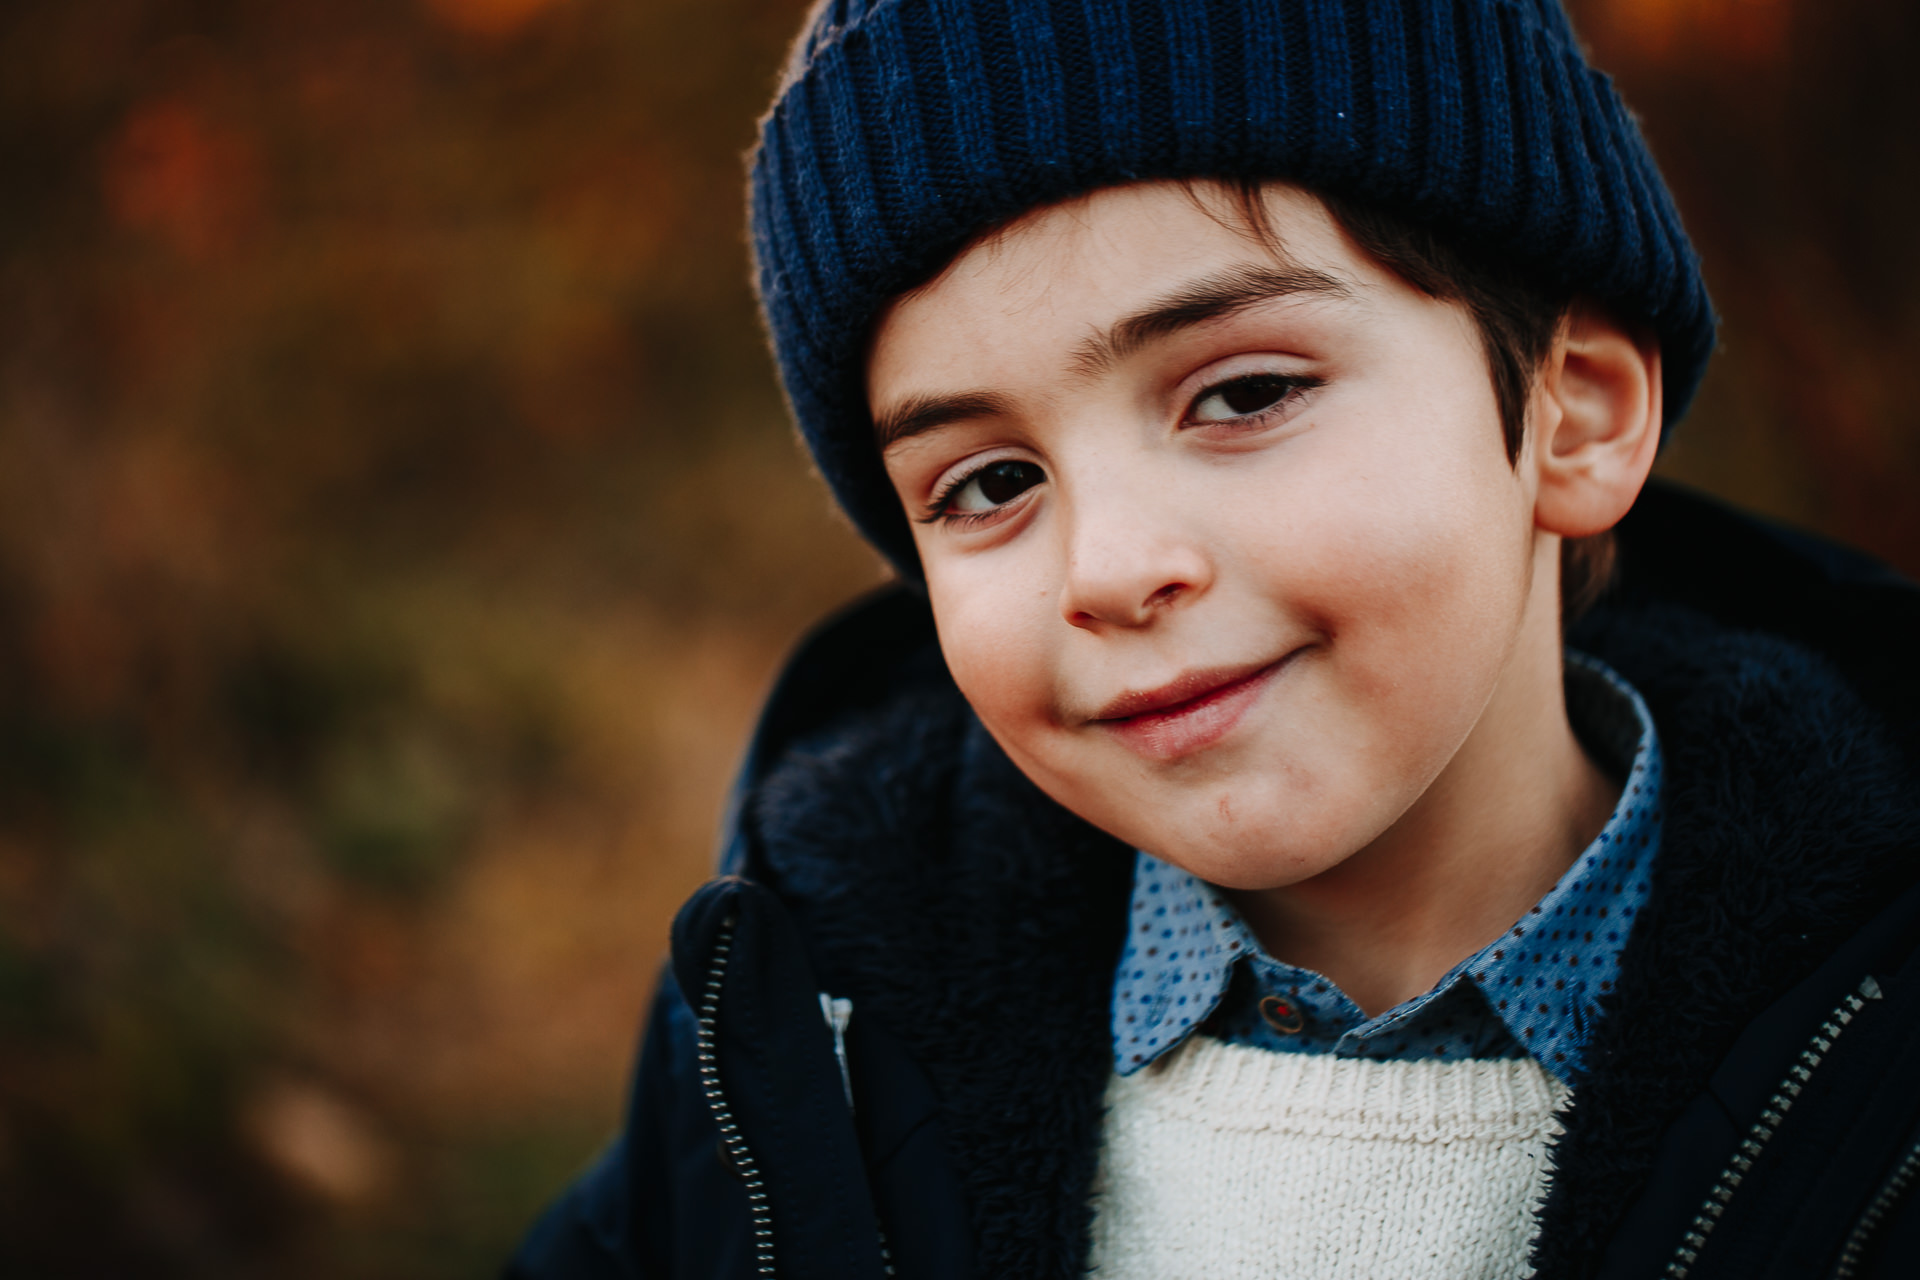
[731,1138]
[1766,1126]
[1890,1191]
[838,1012]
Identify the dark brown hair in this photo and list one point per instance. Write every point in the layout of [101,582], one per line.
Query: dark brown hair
[1518,319]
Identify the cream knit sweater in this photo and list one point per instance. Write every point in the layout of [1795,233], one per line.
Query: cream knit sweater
[1228,1162]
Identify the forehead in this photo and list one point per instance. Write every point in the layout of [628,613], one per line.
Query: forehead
[1060,274]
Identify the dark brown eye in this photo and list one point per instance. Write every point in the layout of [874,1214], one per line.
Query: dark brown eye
[1242,396]
[996,483]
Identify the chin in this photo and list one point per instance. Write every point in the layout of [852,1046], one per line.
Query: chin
[1249,851]
[1251,869]
[1240,829]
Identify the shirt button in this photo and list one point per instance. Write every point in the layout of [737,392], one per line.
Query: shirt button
[1282,1014]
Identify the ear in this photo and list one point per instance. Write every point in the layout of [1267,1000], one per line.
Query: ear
[1596,424]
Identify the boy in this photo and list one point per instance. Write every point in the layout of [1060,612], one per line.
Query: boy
[1211,866]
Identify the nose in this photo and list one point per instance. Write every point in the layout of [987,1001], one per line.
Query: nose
[1125,566]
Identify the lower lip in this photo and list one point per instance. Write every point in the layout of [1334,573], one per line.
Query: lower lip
[1192,726]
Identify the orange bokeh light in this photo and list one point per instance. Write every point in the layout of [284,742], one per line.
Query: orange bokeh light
[1740,30]
[490,17]
[183,177]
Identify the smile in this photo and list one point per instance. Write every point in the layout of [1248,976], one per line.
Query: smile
[1188,714]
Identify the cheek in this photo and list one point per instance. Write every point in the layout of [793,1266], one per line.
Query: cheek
[1435,569]
[1408,519]
[1413,566]
[1433,619]
[994,639]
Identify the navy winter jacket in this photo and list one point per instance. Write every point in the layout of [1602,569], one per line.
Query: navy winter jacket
[1751,1107]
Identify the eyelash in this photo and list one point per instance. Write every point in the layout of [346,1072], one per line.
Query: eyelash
[1290,386]
[939,507]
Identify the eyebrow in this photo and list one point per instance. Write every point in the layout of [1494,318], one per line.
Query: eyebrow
[924,413]
[1209,298]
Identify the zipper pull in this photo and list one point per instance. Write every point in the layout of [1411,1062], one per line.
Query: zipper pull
[838,1011]
[1870,988]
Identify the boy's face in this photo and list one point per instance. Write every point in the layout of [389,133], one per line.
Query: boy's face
[1224,548]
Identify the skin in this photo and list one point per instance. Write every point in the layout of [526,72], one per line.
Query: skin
[1146,454]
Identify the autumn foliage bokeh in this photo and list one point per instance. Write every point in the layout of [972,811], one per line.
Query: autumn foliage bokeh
[399,523]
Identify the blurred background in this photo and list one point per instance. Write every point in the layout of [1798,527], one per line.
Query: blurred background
[399,525]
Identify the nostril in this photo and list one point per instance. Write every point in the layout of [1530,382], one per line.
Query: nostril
[1166,594]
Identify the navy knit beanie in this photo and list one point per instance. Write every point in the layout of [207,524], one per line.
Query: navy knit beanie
[905,127]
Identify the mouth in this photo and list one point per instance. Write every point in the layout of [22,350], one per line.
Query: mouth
[1188,714]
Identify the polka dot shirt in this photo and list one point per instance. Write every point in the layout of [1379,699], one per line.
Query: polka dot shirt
[1191,961]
